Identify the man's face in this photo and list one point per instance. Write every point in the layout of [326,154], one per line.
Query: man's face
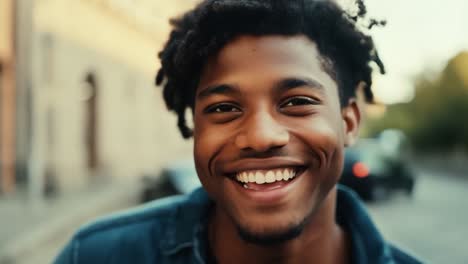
[269,132]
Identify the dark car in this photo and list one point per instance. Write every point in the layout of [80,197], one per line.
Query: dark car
[179,177]
[374,171]
[370,168]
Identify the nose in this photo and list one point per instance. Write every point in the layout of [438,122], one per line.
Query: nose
[261,132]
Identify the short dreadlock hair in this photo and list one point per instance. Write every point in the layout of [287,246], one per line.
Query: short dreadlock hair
[346,51]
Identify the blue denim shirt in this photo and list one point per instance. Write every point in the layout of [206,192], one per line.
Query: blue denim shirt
[173,230]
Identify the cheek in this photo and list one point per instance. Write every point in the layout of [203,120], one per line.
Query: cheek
[202,143]
[324,139]
[321,132]
[329,138]
[202,157]
[203,149]
[208,143]
[324,142]
[209,137]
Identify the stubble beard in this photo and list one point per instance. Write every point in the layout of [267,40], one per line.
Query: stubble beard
[275,237]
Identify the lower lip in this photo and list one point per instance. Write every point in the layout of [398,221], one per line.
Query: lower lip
[269,193]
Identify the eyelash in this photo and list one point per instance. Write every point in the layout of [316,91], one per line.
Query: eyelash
[230,107]
[213,109]
[300,100]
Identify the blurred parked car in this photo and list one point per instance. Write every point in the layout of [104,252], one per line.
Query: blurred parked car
[179,177]
[374,172]
[369,169]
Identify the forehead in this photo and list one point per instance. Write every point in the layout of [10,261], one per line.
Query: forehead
[272,57]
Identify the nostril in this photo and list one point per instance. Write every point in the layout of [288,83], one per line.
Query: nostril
[262,142]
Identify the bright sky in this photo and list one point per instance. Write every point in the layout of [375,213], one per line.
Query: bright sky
[420,35]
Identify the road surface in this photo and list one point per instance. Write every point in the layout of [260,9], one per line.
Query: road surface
[433,223]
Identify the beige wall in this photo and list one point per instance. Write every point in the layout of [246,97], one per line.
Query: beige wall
[102,27]
[136,134]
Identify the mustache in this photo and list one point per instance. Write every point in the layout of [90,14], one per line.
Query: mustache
[253,154]
[318,157]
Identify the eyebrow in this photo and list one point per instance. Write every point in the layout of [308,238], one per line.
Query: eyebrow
[281,86]
[295,82]
[218,89]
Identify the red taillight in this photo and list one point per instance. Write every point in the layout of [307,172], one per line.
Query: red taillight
[360,170]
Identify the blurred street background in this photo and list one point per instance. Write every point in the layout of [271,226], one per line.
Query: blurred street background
[81,123]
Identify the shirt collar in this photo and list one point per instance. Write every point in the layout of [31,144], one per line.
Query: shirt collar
[368,245]
[186,227]
[186,224]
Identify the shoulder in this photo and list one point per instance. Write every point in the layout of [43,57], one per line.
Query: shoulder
[132,234]
[139,218]
[136,221]
[402,257]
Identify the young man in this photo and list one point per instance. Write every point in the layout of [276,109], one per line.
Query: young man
[272,87]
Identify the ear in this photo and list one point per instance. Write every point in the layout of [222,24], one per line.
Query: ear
[351,115]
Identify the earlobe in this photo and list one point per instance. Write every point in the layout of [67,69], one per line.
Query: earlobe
[351,120]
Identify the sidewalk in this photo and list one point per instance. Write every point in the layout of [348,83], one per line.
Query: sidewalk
[33,233]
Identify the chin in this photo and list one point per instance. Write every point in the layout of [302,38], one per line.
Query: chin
[273,233]
[277,226]
[273,236]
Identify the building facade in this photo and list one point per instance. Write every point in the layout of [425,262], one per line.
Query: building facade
[88,109]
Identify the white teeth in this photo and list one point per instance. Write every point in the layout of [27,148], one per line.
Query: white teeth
[266,176]
[251,177]
[270,177]
[245,177]
[286,174]
[279,175]
[259,178]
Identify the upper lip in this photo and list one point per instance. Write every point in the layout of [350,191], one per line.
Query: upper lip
[260,164]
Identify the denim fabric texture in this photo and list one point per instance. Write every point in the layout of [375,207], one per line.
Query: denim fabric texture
[173,230]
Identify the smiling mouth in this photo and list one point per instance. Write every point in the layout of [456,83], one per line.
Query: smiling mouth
[263,180]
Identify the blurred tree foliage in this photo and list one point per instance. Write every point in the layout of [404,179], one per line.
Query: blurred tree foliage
[437,118]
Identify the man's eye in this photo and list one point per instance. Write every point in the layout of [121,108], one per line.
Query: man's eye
[221,108]
[300,100]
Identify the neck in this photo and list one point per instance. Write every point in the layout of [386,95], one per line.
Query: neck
[321,241]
